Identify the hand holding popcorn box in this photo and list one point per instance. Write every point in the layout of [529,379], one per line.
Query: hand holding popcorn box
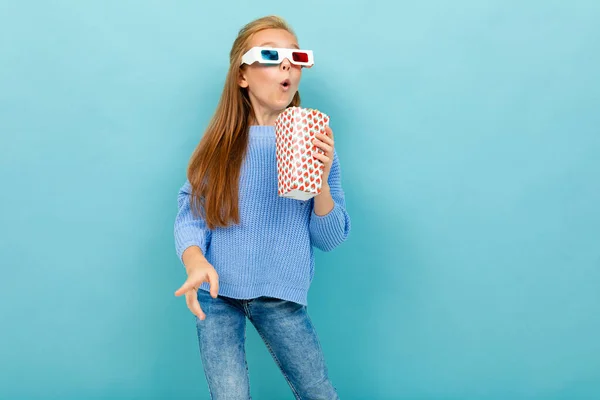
[299,173]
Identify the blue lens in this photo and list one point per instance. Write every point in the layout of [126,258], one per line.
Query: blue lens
[270,55]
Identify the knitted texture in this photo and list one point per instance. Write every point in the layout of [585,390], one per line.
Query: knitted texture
[271,251]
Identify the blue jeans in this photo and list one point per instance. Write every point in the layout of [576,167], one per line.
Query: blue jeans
[287,331]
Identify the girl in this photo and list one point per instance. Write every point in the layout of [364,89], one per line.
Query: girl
[248,252]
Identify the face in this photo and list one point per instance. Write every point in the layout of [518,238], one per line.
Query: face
[271,88]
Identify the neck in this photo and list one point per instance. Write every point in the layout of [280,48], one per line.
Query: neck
[264,117]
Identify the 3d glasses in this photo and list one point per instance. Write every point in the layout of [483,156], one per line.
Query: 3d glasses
[270,55]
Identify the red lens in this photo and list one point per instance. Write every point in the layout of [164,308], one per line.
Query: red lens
[300,56]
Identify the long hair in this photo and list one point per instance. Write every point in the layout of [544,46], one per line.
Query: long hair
[214,167]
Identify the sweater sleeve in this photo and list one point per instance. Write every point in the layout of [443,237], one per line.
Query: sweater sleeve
[330,230]
[189,230]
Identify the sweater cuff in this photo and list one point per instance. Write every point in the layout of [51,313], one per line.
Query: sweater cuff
[331,229]
[183,243]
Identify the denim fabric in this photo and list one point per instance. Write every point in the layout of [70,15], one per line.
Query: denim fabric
[288,333]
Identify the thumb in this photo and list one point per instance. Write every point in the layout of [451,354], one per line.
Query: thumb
[186,287]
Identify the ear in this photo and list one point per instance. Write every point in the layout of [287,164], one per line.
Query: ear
[242,80]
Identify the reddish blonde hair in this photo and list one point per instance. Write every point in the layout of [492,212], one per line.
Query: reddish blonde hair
[214,168]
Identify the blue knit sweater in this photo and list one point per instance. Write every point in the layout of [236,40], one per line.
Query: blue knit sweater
[270,253]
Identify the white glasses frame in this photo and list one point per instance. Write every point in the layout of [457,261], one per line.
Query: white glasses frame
[255,55]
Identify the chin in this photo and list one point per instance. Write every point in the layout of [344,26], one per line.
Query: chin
[282,105]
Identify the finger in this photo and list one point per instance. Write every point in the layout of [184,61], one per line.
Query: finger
[186,287]
[325,138]
[325,147]
[325,153]
[329,131]
[191,300]
[197,310]
[321,157]
[213,281]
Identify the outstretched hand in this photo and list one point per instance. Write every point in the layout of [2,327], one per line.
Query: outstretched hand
[198,274]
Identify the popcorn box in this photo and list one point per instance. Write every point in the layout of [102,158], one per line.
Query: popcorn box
[299,173]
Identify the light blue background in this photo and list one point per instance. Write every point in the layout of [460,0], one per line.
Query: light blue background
[469,138]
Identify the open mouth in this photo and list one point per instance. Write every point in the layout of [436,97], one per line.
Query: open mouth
[286,83]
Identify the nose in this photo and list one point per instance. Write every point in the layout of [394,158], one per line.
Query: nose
[285,64]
